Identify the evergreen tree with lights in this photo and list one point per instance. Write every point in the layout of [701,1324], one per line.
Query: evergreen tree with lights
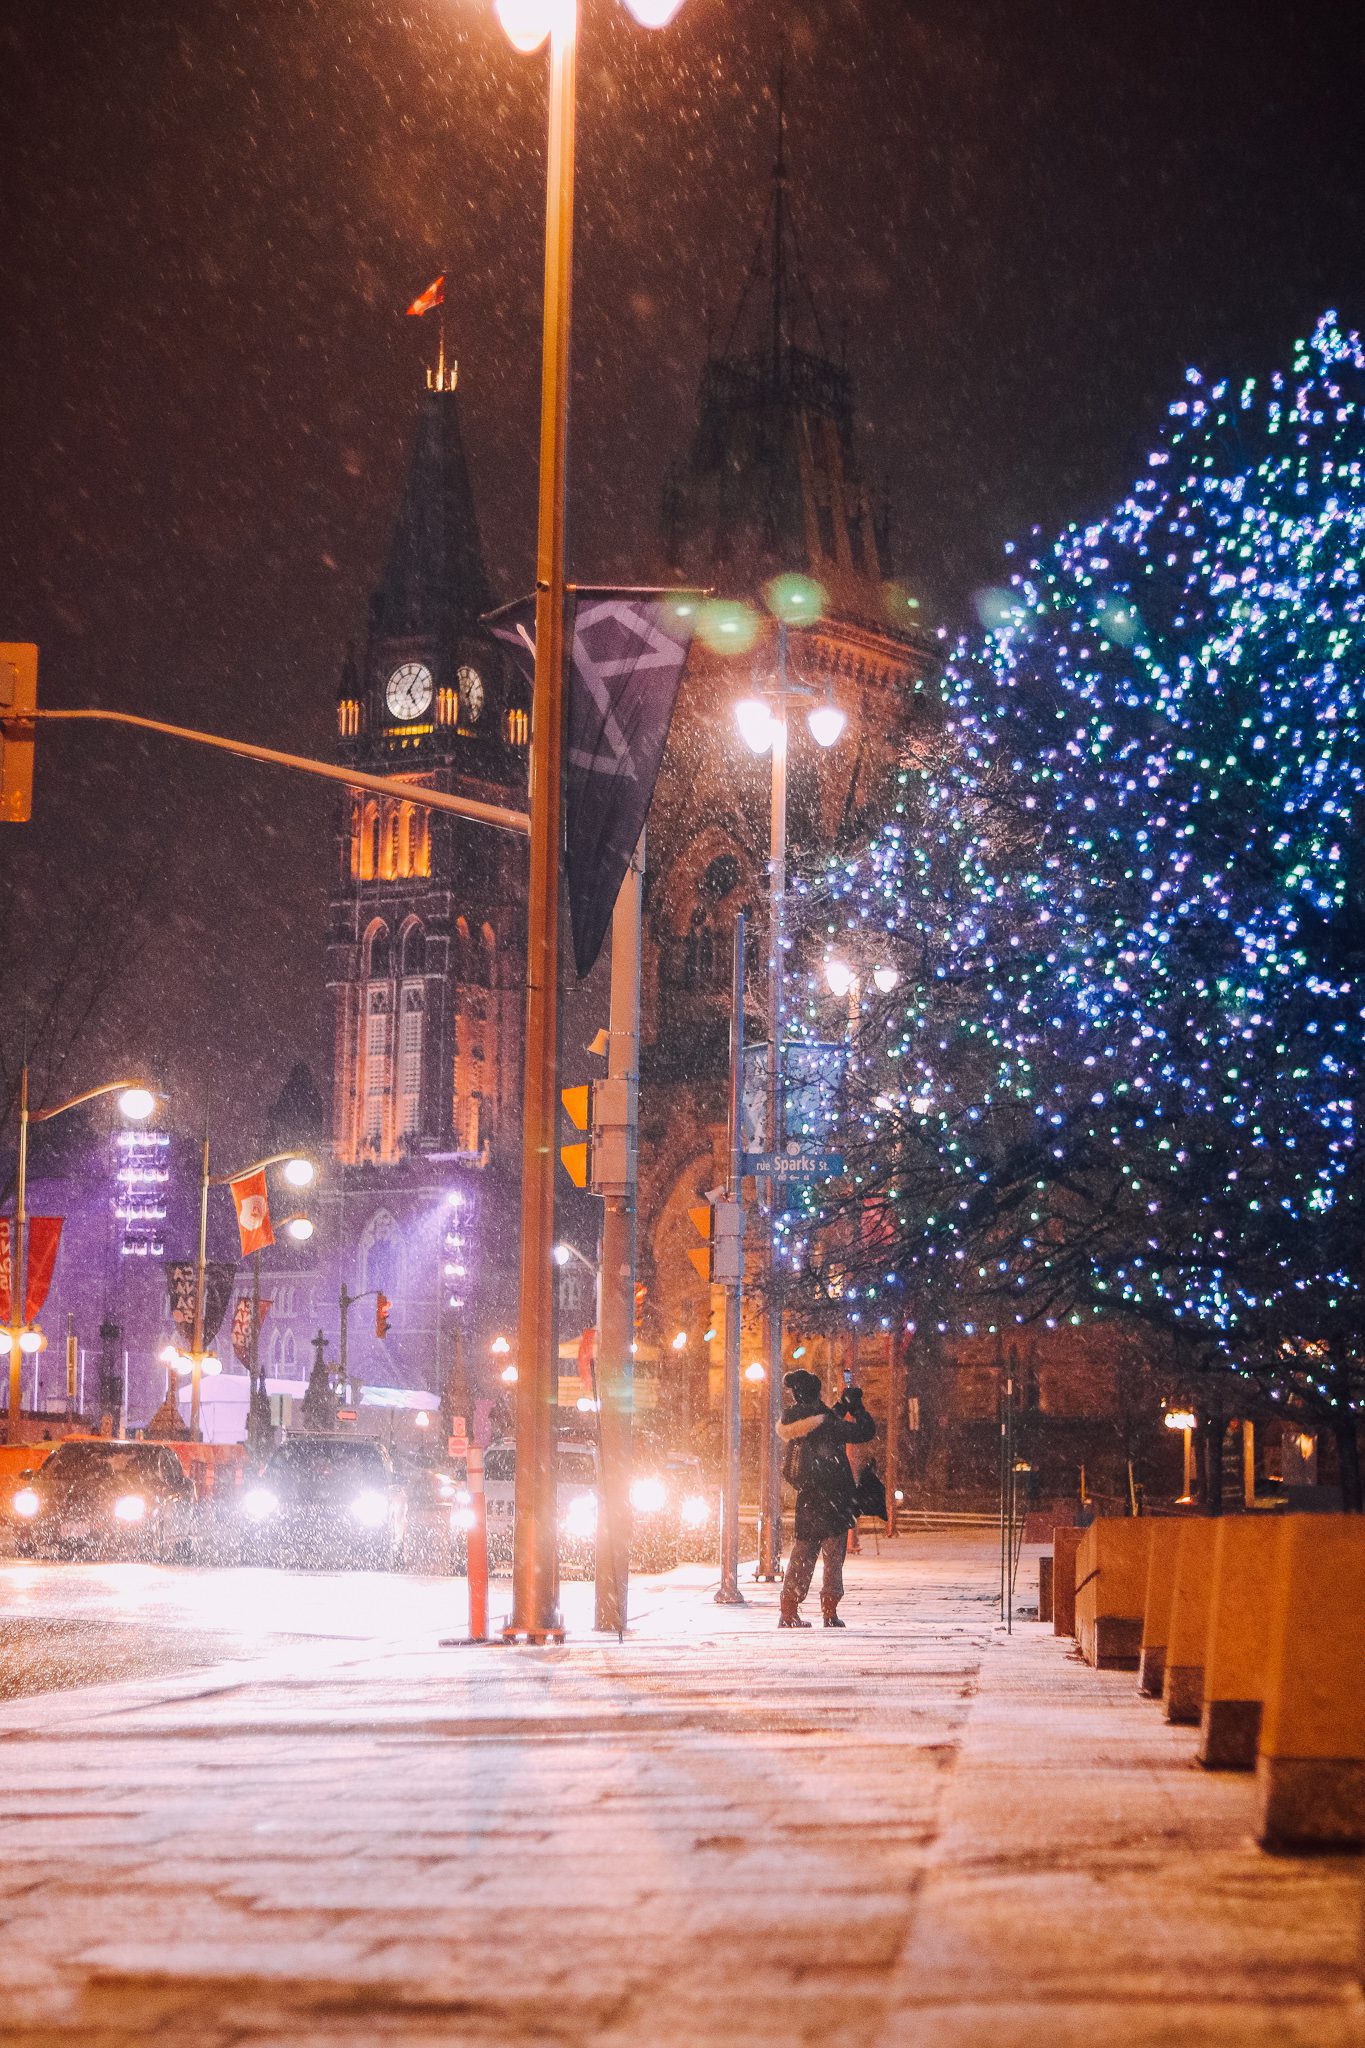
[1118,1071]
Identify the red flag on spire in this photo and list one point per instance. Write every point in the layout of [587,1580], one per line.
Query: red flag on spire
[434,295]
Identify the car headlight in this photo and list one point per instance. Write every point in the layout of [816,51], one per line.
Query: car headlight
[648,1495]
[259,1504]
[26,1503]
[370,1509]
[129,1507]
[580,1516]
[462,1518]
[695,1511]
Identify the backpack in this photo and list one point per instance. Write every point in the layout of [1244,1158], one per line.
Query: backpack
[796,1462]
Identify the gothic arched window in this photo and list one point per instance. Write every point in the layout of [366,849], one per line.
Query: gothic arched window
[369,842]
[377,952]
[411,1028]
[414,950]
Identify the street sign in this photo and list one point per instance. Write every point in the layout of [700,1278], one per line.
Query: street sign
[793,1165]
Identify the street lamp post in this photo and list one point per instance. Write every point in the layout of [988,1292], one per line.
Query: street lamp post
[137,1101]
[300,1177]
[535,1607]
[763,724]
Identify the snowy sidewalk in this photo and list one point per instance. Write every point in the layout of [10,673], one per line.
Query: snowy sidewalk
[918,1831]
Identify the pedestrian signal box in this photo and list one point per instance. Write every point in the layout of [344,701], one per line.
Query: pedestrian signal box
[18,700]
[721,1258]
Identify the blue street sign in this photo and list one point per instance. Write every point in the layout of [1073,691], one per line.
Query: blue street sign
[793,1165]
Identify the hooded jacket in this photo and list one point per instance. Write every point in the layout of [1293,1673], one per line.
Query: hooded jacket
[823,1477]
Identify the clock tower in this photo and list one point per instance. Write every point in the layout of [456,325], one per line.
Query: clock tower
[424,944]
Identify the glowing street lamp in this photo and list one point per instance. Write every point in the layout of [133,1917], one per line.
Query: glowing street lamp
[136,1101]
[757,726]
[1185,1419]
[535,1612]
[826,723]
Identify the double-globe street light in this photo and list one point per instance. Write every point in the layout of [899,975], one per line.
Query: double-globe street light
[299,1172]
[535,1612]
[763,723]
[136,1103]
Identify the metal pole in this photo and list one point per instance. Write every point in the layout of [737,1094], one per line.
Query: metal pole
[258,1408]
[770,1533]
[616,1269]
[201,1265]
[18,1260]
[894,1423]
[342,1367]
[535,1611]
[728,1593]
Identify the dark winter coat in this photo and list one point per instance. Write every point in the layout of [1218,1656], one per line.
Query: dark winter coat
[817,1463]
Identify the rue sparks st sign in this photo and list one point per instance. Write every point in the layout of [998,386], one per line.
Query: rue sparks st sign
[793,1165]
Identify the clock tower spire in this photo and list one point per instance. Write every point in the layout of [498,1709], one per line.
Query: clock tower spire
[425,908]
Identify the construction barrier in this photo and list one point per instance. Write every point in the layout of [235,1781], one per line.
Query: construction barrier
[1244,1554]
[1111,1587]
[1310,1771]
[1187,1629]
[1257,1624]
[1066,1542]
[1162,1546]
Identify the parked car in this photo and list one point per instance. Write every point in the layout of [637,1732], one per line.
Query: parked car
[326,1500]
[663,1505]
[696,1503]
[576,1504]
[105,1498]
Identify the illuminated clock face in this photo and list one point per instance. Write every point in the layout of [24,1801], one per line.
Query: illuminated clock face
[471,694]
[408,691]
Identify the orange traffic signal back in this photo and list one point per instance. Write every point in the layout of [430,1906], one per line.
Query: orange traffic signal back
[18,697]
[700,1254]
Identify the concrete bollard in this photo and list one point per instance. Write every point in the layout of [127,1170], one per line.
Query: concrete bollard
[1065,1545]
[1311,1767]
[1182,1687]
[1244,1553]
[1111,1584]
[1045,1586]
[1156,1604]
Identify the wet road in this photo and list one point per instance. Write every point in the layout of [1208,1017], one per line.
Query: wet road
[64,1625]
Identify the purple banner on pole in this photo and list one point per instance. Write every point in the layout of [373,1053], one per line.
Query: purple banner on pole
[626,650]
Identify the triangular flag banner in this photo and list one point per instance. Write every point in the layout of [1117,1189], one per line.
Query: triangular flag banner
[250,1201]
[434,295]
[627,649]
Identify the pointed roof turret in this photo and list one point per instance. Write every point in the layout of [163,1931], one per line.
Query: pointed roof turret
[771,481]
[434,583]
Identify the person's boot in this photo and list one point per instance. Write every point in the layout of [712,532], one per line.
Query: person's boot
[789,1615]
[830,1615]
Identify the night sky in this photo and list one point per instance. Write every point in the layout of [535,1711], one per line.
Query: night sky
[1023,218]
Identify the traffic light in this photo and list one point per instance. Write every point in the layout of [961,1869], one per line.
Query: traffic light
[721,1258]
[577,1158]
[18,698]
[382,1305]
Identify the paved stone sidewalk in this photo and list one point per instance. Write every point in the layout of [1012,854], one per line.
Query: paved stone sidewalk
[918,1831]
